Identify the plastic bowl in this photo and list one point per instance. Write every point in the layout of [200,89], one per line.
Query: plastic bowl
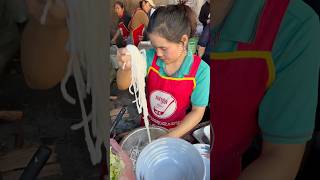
[170,159]
[204,150]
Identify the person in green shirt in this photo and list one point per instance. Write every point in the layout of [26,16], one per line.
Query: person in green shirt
[265,65]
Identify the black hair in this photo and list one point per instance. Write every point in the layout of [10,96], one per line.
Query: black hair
[172,22]
[119,3]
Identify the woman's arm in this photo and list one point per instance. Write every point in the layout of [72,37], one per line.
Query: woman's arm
[276,162]
[115,37]
[123,78]
[190,121]
[201,50]
[124,72]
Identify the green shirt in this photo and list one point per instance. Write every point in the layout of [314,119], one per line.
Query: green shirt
[200,95]
[287,111]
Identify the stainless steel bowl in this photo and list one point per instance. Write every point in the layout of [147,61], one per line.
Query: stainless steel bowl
[136,140]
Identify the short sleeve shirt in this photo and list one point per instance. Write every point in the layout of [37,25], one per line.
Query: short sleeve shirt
[200,95]
[287,111]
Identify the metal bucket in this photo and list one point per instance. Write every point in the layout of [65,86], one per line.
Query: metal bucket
[136,140]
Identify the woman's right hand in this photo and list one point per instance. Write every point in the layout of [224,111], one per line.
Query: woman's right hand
[124,59]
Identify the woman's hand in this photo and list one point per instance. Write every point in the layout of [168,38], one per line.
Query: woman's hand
[124,59]
[127,173]
[124,71]
[191,120]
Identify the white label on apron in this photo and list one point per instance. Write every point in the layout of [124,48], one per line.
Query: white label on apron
[163,104]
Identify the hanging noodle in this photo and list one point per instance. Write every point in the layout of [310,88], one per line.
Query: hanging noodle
[138,74]
[87,50]
[46,8]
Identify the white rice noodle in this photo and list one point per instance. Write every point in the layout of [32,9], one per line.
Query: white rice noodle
[87,50]
[46,8]
[137,86]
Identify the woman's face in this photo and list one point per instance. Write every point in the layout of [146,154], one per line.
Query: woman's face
[166,50]
[119,10]
[146,6]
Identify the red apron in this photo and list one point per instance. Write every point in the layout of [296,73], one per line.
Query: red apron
[137,34]
[239,82]
[169,98]
[123,30]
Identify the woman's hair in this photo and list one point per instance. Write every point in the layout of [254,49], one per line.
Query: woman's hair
[172,22]
[119,3]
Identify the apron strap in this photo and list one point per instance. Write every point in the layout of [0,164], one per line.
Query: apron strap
[194,66]
[154,62]
[268,26]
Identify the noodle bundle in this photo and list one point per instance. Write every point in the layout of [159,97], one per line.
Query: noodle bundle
[137,87]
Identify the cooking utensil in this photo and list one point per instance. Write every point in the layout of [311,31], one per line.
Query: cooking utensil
[136,140]
[37,162]
[206,131]
[200,136]
[118,118]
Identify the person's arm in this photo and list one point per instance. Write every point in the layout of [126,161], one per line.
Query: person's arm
[201,50]
[115,37]
[190,121]
[276,162]
[124,71]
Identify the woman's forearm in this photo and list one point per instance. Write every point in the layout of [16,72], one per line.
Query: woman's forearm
[116,35]
[123,79]
[277,162]
[188,123]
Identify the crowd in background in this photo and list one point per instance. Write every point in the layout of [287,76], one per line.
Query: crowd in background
[131,26]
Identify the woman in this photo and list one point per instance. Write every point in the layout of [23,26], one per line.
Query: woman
[175,77]
[123,23]
[140,21]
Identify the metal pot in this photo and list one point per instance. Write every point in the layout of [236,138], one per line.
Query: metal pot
[137,139]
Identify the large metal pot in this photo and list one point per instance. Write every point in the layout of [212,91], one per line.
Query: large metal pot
[137,139]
